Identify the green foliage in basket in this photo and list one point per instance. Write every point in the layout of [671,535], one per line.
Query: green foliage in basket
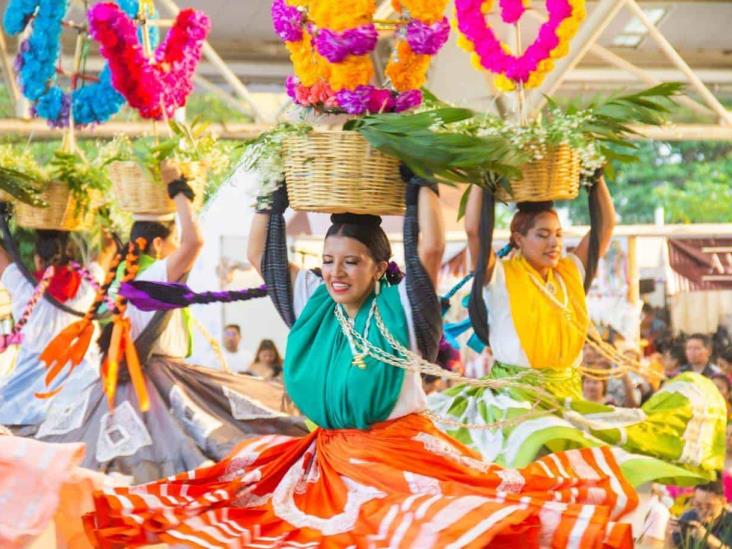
[187,143]
[20,175]
[425,143]
[264,155]
[25,178]
[82,174]
[599,130]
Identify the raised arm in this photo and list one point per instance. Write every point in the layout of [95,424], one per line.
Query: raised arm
[606,227]
[473,213]
[107,251]
[182,259]
[258,244]
[431,247]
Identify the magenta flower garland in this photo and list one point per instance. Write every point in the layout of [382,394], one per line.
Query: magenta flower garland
[157,87]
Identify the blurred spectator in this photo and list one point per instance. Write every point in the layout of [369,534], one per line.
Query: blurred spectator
[724,361]
[725,388]
[673,356]
[698,350]
[237,358]
[652,328]
[432,384]
[590,355]
[267,362]
[595,390]
[708,523]
[621,390]
[655,523]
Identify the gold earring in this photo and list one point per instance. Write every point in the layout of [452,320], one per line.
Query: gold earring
[377,287]
[157,255]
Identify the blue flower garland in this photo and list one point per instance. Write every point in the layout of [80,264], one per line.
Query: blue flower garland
[36,65]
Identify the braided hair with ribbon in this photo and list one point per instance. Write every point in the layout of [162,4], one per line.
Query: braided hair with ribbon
[72,343]
[116,343]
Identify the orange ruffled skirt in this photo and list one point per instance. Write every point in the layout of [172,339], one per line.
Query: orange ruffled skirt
[403,483]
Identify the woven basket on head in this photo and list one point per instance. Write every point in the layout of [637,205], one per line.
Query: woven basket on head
[555,177]
[137,192]
[62,213]
[339,172]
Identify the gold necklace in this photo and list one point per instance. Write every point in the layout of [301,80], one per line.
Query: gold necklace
[549,293]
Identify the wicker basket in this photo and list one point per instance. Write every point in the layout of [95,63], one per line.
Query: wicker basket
[339,172]
[554,177]
[138,193]
[60,215]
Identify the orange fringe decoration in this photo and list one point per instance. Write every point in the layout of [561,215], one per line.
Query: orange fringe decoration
[72,343]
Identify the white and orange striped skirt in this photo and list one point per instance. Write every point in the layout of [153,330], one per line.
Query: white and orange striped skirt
[402,483]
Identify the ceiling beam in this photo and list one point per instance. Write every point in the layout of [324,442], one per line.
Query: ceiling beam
[590,30]
[226,72]
[663,43]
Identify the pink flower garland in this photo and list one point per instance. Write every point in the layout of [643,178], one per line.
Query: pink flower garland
[512,10]
[156,89]
[551,42]
[15,337]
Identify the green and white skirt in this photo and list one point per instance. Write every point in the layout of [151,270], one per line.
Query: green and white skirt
[676,437]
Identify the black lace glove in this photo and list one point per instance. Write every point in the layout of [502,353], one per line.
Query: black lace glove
[598,173]
[275,203]
[414,183]
[180,186]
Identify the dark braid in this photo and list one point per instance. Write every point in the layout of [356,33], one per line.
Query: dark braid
[132,264]
[476,308]
[161,296]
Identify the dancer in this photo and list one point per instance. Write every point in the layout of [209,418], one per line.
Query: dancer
[44,494]
[537,314]
[376,471]
[19,407]
[181,415]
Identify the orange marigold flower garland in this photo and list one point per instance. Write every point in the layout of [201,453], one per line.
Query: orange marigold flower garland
[330,50]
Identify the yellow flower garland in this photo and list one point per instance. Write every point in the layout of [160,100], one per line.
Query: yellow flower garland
[406,70]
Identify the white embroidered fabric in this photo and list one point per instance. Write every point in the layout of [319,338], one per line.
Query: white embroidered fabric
[197,422]
[512,481]
[285,507]
[64,416]
[442,448]
[245,408]
[121,434]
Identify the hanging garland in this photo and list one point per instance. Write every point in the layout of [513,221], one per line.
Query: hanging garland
[330,51]
[530,67]
[155,87]
[36,66]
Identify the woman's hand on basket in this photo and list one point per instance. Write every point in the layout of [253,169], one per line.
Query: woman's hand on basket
[169,171]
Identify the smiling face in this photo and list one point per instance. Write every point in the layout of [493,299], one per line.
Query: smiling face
[542,243]
[349,271]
